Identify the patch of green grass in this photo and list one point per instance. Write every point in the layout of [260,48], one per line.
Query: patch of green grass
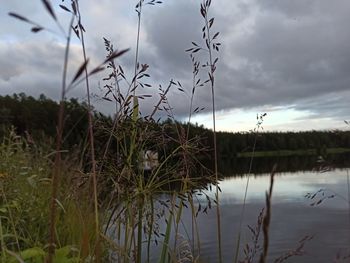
[291,152]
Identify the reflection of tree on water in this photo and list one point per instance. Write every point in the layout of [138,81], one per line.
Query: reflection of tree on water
[239,166]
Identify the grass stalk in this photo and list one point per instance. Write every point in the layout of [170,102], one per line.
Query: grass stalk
[117,113]
[204,10]
[241,219]
[126,234]
[165,247]
[11,218]
[195,230]
[3,246]
[139,12]
[150,230]
[90,129]
[139,229]
[58,159]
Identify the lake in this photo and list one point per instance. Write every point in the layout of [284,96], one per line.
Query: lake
[293,217]
[310,199]
[325,217]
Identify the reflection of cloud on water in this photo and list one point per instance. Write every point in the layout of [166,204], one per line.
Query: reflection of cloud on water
[292,216]
[289,187]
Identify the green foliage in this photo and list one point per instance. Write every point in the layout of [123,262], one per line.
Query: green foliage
[23,192]
[38,255]
[65,255]
[33,255]
[24,197]
[37,118]
[231,144]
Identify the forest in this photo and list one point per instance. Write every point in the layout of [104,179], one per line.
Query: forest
[37,118]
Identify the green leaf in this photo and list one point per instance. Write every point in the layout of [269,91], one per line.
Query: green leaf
[33,255]
[63,255]
[165,248]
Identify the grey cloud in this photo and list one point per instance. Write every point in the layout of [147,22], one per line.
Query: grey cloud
[278,53]
[305,8]
[285,60]
[35,69]
[170,31]
[333,105]
[289,8]
[288,53]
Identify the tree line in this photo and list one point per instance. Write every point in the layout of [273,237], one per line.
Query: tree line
[231,143]
[37,118]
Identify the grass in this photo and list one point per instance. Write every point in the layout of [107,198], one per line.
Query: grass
[24,201]
[104,207]
[210,46]
[292,152]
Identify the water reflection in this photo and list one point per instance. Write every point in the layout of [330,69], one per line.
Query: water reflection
[292,216]
[261,165]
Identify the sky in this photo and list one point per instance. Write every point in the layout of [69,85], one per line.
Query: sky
[289,59]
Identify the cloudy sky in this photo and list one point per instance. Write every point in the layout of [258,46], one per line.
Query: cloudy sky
[290,59]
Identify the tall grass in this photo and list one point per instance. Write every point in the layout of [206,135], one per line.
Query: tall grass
[127,175]
[57,166]
[111,208]
[90,115]
[211,44]
[258,126]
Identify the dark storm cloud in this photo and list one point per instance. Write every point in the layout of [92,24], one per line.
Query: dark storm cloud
[285,51]
[170,30]
[22,69]
[333,105]
[289,56]
[35,69]
[277,53]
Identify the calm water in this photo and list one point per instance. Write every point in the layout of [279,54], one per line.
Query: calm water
[293,217]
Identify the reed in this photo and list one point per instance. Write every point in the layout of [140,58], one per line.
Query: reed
[256,130]
[58,164]
[81,29]
[211,44]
